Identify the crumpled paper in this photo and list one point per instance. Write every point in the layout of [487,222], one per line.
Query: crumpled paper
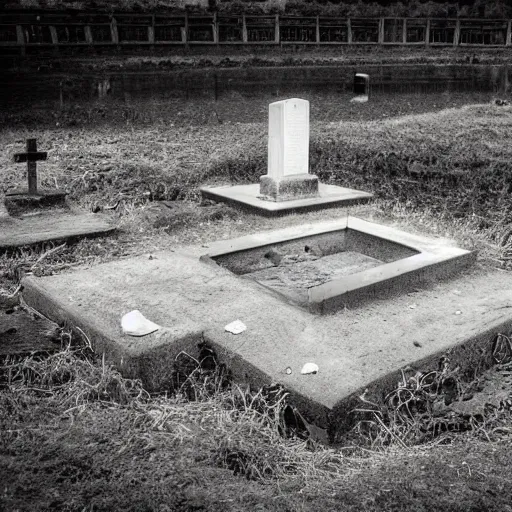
[135,323]
[236,327]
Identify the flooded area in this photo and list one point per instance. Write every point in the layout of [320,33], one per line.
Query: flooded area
[198,96]
[188,83]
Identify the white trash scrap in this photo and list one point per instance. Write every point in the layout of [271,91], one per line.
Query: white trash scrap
[309,368]
[236,327]
[135,323]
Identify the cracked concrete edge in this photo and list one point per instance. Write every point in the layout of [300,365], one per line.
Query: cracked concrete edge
[415,242]
[153,367]
[264,238]
[244,373]
[470,357]
[385,281]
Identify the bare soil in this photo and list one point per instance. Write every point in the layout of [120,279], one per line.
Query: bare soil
[108,453]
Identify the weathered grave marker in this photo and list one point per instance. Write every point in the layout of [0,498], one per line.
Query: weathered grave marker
[18,200]
[361,88]
[288,185]
[31,156]
[288,153]
[362,84]
[20,225]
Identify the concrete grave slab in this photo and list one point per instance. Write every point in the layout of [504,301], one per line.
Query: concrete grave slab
[248,197]
[314,271]
[30,216]
[357,348]
[49,226]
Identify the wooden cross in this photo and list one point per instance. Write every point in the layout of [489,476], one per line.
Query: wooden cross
[31,156]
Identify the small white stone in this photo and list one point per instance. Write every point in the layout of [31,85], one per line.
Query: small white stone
[236,327]
[136,324]
[309,368]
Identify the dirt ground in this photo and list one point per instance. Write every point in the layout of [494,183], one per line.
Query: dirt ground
[73,438]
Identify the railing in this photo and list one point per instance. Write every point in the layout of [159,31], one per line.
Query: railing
[44,29]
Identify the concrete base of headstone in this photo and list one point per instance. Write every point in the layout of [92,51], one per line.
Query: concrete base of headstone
[249,197]
[16,200]
[359,99]
[298,186]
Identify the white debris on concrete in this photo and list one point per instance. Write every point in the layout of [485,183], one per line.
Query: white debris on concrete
[236,327]
[309,368]
[136,324]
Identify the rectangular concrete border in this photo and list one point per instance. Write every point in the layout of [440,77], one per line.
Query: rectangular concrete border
[435,259]
[246,197]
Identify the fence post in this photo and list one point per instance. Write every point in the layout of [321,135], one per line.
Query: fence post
[349,31]
[317,32]
[184,31]
[20,37]
[508,40]
[88,34]
[113,31]
[151,30]
[215,24]
[427,33]
[404,31]
[244,29]
[456,33]
[381,30]
[277,37]
[53,34]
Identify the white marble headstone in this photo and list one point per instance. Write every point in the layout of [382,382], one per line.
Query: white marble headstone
[288,138]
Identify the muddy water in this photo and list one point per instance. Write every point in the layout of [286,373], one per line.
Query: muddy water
[70,87]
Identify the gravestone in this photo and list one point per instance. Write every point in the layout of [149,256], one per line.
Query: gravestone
[362,84]
[32,215]
[32,196]
[288,153]
[361,88]
[31,156]
[288,186]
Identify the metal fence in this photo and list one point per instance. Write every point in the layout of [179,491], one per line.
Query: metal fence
[52,29]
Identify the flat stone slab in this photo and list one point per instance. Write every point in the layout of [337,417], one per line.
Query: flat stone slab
[356,349]
[48,226]
[248,196]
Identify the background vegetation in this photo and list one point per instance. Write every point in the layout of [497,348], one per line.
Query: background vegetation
[345,8]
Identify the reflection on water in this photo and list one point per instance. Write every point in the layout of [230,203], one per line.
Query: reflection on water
[249,82]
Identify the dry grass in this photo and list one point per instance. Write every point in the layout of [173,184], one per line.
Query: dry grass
[72,428]
[182,450]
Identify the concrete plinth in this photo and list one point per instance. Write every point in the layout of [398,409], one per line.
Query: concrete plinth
[50,226]
[298,186]
[249,197]
[21,200]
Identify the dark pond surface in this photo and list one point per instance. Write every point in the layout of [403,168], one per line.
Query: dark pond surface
[250,82]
